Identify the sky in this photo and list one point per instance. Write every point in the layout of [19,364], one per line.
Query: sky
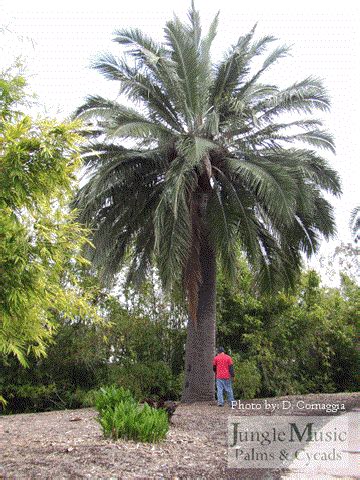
[59,40]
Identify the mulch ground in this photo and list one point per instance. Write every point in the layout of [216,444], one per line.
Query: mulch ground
[69,445]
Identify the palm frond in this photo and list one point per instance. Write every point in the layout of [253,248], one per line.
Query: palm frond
[120,121]
[311,166]
[271,184]
[301,97]
[317,138]
[234,66]
[278,53]
[140,45]
[355,222]
[278,267]
[139,87]
[184,54]
[172,237]
[225,231]
[240,210]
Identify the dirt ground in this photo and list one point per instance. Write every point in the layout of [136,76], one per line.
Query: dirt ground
[69,445]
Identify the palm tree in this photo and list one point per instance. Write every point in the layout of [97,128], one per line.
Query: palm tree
[200,168]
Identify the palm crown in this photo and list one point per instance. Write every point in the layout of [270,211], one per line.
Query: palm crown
[207,156]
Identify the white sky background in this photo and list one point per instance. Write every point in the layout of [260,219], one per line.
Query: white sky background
[59,40]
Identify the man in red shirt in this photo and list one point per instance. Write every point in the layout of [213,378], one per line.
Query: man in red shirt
[224,373]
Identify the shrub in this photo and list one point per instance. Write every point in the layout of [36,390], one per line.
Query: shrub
[247,378]
[153,379]
[177,385]
[29,398]
[120,416]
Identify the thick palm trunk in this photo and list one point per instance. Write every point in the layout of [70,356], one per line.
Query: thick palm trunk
[200,342]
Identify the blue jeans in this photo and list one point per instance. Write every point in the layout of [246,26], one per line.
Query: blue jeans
[221,385]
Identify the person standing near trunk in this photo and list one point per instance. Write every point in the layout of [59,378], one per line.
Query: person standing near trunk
[224,374]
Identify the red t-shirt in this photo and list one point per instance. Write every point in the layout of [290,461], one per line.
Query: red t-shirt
[222,363]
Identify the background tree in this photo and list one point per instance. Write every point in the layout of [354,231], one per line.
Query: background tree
[355,223]
[201,169]
[345,260]
[265,334]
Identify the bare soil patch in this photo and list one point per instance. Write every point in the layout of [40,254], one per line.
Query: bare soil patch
[69,444]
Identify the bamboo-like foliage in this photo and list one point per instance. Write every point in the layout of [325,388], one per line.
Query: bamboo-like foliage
[212,153]
[40,242]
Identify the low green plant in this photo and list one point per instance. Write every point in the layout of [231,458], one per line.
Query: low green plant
[152,424]
[107,398]
[120,416]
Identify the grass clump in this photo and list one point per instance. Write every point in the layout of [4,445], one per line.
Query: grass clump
[121,416]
